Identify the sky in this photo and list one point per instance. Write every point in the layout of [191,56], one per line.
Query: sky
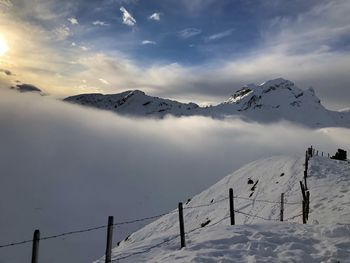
[65,167]
[198,50]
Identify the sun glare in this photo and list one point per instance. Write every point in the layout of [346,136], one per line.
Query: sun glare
[3,46]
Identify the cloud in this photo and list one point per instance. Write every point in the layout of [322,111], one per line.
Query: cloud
[6,4]
[220,35]
[7,72]
[73,21]
[74,166]
[148,42]
[127,17]
[62,32]
[104,81]
[27,88]
[84,48]
[155,16]
[324,25]
[99,23]
[189,32]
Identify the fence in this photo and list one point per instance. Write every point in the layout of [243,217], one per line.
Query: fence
[305,203]
[36,237]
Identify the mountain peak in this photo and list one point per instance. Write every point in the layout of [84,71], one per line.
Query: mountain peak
[277,82]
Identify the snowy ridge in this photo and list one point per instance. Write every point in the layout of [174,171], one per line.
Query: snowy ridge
[257,236]
[135,102]
[272,101]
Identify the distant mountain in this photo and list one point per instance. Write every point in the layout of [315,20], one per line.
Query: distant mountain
[27,88]
[135,102]
[271,101]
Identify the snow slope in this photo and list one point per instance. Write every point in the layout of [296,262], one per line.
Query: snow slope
[272,101]
[258,235]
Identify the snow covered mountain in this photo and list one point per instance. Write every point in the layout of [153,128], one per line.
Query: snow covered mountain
[272,101]
[258,235]
[135,102]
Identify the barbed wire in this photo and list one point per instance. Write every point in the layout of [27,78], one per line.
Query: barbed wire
[266,201]
[85,230]
[209,204]
[292,217]
[141,220]
[55,236]
[144,219]
[256,216]
[165,241]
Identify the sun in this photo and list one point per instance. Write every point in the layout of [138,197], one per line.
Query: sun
[3,46]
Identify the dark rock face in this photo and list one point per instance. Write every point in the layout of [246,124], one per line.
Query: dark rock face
[26,88]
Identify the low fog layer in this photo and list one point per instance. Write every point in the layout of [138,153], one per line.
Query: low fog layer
[64,167]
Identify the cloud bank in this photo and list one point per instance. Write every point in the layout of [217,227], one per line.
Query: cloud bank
[65,167]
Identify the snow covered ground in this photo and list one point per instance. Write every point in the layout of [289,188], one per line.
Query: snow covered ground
[258,235]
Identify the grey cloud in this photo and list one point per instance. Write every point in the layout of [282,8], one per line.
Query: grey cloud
[27,88]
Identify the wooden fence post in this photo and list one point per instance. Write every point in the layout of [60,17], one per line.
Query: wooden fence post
[304,214]
[302,190]
[306,160]
[317,153]
[328,155]
[35,248]
[282,207]
[182,227]
[307,204]
[305,182]
[232,210]
[322,154]
[108,256]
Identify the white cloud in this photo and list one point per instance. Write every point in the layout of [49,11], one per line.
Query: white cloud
[220,35]
[189,32]
[155,16]
[99,23]
[128,19]
[80,46]
[148,42]
[73,21]
[103,81]
[84,48]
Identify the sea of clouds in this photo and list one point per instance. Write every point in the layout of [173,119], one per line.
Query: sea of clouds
[64,167]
